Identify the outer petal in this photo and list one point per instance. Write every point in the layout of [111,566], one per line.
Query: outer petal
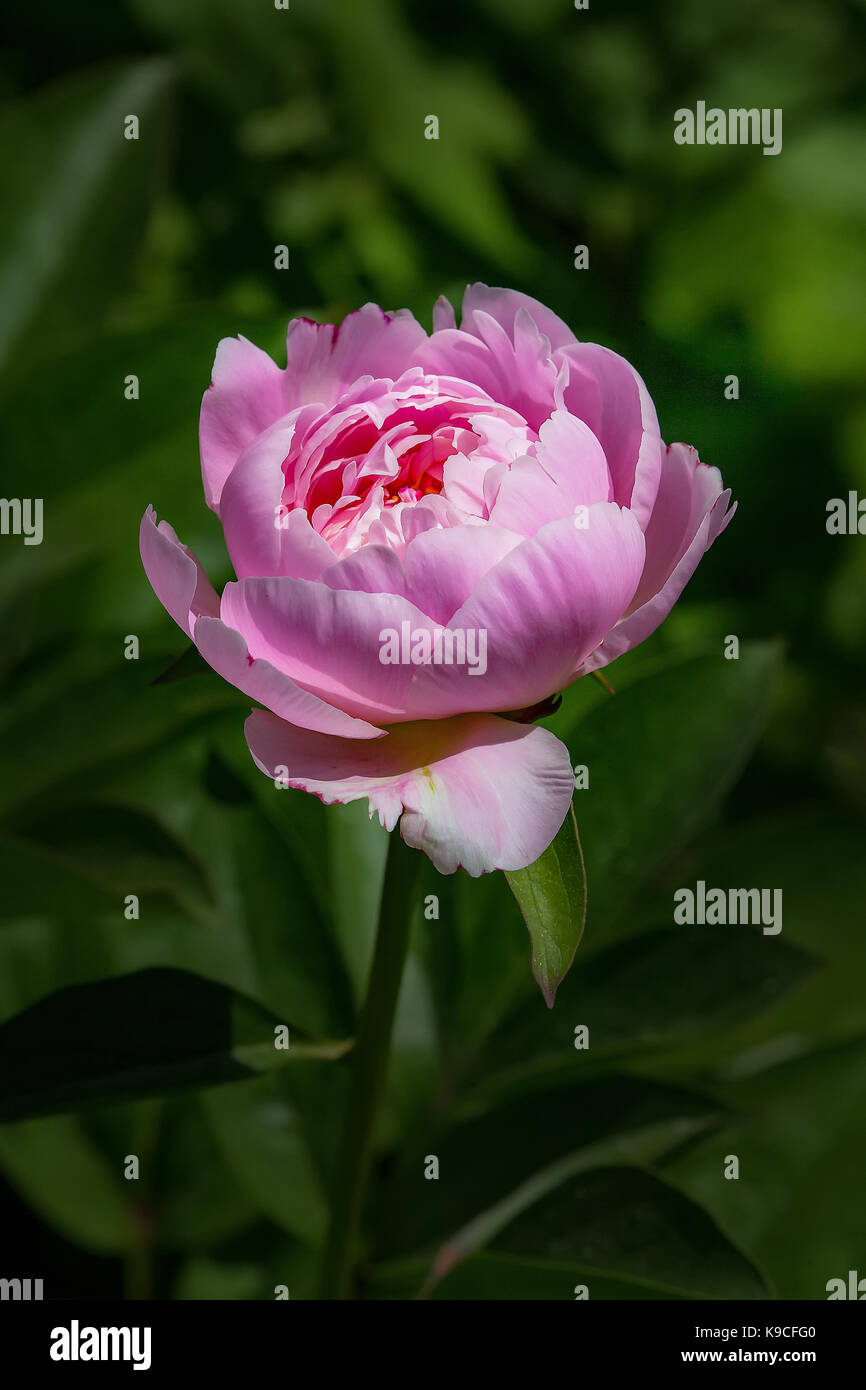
[477,792]
[226,651]
[324,360]
[606,392]
[175,574]
[551,598]
[443,314]
[503,305]
[184,590]
[520,373]
[246,395]
[249,392]
[691,511]
[328,640]
[260,540]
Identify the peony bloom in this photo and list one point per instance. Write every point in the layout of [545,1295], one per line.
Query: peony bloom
[432,536]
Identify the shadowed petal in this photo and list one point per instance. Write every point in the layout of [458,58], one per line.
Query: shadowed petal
[175,574]
[329,640]
[184,590]
[606,392]
[691,511]
[226,651]
[245,396]
[476,792]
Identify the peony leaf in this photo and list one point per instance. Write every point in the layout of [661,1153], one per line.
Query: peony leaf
[261,1136]
[78,194]
[501,1158]
[803,1112]
[143,1034]
[83,857]
[55,1165]
[610,1230]
[551,894]
[620,1232]
[660,757]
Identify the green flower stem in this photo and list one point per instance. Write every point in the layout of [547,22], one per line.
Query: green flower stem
[370,1065]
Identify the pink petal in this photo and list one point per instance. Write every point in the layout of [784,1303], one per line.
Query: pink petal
[569,469]
[245,396]
[249,392]
[304,554]
[522,375]
[184,590]
[691,511]
[527,498]
[571,454]
[443,314]
[476,792]
[226,651]
[261,539]
[323,360]
[503,305]
[607,393]
[443,567]
[552,597]
[175,574]
[374,569]
[250,500]
[328,640]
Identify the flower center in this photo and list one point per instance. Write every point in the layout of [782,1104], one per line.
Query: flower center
[421,464]
[359,468]
[347,479]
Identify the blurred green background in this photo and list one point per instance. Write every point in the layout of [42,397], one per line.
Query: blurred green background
[305,127]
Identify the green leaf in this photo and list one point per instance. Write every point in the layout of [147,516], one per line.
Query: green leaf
[261,1137]
[801,1145]
[454,181]
[675,985]
[132,717]
[661,753]
[300,968]
[143,1034]
[814,855]
[609,1228]
[357,849]
[58,1170]
[77,196]
[551,894]
[204,1280]
[527,1143]
[85,858]
[195,1197]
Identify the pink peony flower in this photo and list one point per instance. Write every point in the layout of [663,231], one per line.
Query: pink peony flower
[394,501]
